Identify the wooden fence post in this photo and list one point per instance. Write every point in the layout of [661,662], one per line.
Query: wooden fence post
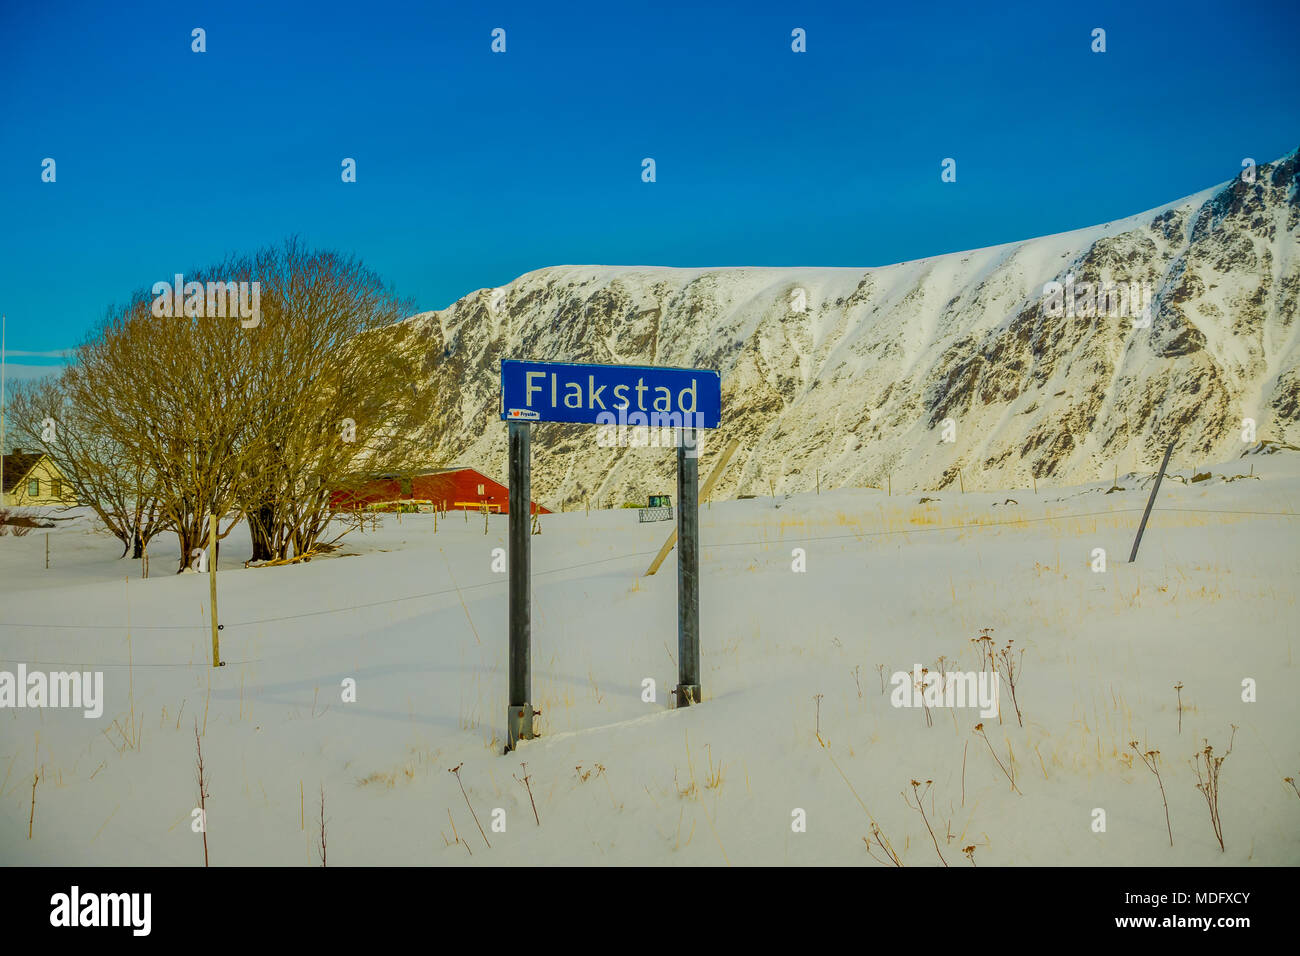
[212,584]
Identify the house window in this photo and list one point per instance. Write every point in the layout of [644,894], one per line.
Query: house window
[480,489]
[34,487]
[56,488]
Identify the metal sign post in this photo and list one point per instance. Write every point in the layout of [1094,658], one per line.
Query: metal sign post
[618,396]
[519,722]
[688,570]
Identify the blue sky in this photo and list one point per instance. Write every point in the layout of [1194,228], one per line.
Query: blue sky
[474,167]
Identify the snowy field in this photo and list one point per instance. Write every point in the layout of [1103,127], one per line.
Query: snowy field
[794,716]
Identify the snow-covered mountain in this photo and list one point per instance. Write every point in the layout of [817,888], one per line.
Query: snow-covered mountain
[850,376]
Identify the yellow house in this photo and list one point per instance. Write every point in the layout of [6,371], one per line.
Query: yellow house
[32,478]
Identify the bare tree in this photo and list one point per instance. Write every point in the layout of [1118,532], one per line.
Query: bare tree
[176,391]
[168,416]
[103,474]
[339,394]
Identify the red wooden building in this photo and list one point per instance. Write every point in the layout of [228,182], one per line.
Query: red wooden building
[454,489]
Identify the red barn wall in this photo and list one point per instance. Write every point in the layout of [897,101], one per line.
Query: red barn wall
[458,490]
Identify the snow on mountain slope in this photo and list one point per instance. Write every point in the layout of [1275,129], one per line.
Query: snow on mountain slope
[855,388]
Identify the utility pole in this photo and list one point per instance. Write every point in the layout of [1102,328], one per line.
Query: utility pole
[1150,501]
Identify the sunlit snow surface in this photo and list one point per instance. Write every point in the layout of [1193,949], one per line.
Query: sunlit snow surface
[418,619]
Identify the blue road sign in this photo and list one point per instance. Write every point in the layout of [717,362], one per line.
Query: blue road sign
[628,395]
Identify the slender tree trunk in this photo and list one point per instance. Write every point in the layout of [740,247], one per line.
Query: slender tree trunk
[260,522]
[186,539]
[190,535]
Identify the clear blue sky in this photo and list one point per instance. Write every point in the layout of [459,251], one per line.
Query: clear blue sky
[474,167]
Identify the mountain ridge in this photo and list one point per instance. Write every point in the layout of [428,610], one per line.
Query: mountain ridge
[864,383]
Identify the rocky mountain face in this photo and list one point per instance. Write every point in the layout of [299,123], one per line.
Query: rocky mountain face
[1176,324]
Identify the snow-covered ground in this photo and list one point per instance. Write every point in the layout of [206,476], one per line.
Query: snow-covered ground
[418,619]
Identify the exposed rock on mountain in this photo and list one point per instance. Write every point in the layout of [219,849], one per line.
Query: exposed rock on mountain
[860,374]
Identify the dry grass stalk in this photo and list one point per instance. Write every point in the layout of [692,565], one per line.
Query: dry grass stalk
[1209,783]
[456,770]
[203,791]
[919,795]
[322,848]
[525,781]
[1010,774]
[1011,667]
[31,819]
[884,845]
[1152,759]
